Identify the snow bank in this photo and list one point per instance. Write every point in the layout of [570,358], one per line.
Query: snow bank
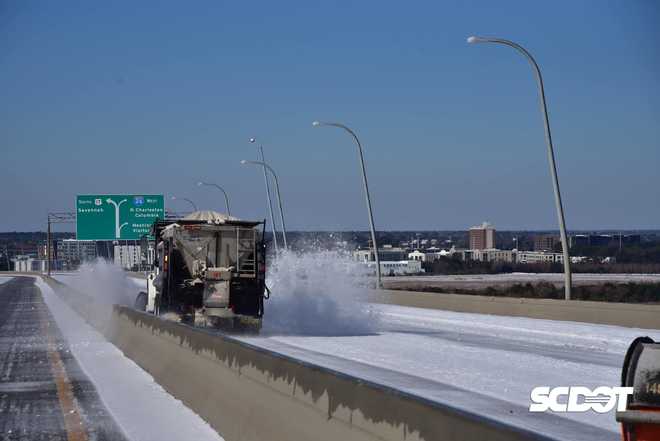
[497,356]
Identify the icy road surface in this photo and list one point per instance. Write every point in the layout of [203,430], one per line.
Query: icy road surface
[141,407]
[500,357]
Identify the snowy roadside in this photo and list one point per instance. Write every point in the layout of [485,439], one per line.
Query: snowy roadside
[495,356]
[141,407]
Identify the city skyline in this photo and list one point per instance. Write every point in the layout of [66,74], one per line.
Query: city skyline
[154,101]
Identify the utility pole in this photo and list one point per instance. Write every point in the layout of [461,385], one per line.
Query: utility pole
[55,218]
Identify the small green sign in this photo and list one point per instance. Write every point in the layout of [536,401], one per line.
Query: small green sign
[117,217]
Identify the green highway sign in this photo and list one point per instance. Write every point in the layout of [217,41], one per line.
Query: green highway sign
[117,217]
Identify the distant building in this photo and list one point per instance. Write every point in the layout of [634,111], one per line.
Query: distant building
[128,256]
[393,261]
[386,254]
[75,251]
[630,238]
[545,242]
[539,257]
[604,239]
[482,237]
[460,254]
[417,255]
[507,256]
[25,264]
[494,255]
[398,268]
[430,255]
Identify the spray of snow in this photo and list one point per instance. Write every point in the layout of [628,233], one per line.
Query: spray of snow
[318,293]
[105,282]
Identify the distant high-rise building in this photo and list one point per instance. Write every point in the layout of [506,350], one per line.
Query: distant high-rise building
[545,242]
[482,237]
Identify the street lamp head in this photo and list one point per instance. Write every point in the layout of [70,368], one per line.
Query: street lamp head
[316,123]
[243,161]
[200,183]
[252,140]
[473,39]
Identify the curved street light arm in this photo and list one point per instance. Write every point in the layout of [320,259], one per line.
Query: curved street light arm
[279,195]
[174,198]
[191,203]
[268,198]
[551,153]
[366,193]
[223,192]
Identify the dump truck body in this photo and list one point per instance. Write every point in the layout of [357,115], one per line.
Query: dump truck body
[207,268]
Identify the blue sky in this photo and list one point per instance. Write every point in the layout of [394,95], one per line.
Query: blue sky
[150,97]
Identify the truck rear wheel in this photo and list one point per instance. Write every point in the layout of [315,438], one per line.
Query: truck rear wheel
[141,302]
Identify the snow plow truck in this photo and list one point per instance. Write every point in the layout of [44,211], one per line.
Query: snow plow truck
[209,269]
[641,371]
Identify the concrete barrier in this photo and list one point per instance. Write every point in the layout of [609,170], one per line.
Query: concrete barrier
[248,393]
[621,314]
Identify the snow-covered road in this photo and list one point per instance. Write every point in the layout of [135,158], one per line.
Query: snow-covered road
[482,363]
[499,357]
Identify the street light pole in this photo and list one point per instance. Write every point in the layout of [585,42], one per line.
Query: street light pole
[48,241]
[174,198]
[221,189]
[366,192]
[551,154]
[279,195]
[270,202]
